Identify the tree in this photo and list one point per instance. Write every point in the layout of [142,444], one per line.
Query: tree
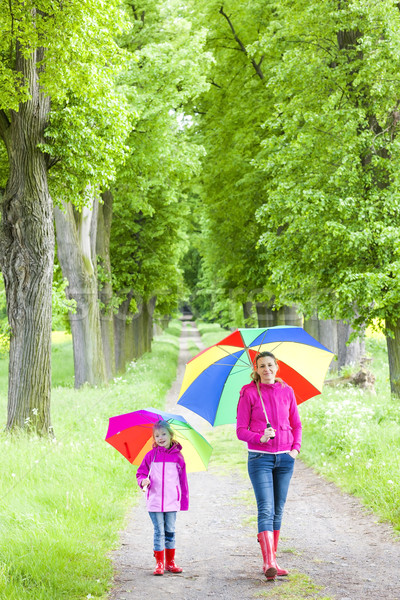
[165,75]
[49,53]
[331,162]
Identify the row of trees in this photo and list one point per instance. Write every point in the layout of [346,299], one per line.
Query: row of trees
[92,122]
[261,133]
[300,186]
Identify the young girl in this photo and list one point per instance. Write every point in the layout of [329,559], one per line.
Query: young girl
[162,474]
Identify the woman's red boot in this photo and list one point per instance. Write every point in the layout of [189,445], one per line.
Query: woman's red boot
[266,539]
[280,572]
[159,556]
[170,564]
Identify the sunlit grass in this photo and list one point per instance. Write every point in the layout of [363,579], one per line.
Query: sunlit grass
[63,502]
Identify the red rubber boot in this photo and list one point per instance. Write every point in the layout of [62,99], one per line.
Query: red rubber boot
[170,564]
[280,572]
[266,539]
[159,556]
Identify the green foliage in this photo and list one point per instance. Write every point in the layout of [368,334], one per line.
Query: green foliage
[63,502]
[164,74]
[229,124]
[330,158]
[89,121]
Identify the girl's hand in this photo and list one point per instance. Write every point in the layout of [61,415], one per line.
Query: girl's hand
[293,453]
[145,483]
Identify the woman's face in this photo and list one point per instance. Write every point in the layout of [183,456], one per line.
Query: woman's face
[267,368]
[162,438]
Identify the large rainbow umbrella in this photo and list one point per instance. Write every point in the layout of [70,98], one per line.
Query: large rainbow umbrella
[132,435]
[213,379]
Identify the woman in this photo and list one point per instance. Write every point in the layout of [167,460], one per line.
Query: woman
[268,420]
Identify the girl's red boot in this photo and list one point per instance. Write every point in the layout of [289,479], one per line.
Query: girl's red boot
[266,539]
[170,564]
[280,572]
[159,556]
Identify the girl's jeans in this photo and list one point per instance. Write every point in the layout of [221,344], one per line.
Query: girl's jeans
[270,475]
[164,529]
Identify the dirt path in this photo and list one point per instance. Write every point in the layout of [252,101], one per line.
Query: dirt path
[335,541]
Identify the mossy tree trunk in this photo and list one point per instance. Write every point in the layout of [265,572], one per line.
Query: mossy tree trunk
[27,253]
[393,346]
[76,243]
[104,220]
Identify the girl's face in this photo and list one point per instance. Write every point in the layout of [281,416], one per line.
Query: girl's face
[162,438]
[267,368]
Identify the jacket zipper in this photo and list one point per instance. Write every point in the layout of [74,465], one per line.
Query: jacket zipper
[162,488]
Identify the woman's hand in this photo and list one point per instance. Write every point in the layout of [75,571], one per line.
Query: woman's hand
[293,453]
[269,433]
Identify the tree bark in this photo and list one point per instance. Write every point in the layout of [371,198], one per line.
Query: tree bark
[393,346]
[105,287]
[76,239]
[27,254]
[120,328]
[247,313]
[266,317]
[348,354]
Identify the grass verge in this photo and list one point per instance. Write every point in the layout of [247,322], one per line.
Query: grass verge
[63,502]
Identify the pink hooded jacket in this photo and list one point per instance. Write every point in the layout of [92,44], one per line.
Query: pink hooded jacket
[168,490]
[281,406]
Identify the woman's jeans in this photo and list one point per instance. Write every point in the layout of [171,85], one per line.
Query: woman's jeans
[164,529]
[270,475]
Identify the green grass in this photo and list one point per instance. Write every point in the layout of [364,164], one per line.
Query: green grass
[296,587]
[211,333]
[352,437]
[63,502]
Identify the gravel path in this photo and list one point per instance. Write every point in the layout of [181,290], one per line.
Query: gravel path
[326,534]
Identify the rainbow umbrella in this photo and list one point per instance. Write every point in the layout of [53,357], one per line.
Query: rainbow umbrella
[213,379]
[132,435]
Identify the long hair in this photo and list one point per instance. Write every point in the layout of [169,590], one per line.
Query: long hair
[254,375]
[161,424]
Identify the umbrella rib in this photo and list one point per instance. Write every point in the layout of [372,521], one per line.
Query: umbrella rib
[239,358]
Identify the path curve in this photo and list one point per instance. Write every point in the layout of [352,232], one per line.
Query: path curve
[329,535]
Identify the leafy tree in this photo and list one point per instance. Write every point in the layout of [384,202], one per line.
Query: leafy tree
[54,57]
[331,161]
[164,76]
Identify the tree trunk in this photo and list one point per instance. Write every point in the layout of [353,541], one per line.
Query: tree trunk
[105,287]
[266,317]
[348,354]
[248,313]
[27,254]
[120,327]
[76,235]
[393,346]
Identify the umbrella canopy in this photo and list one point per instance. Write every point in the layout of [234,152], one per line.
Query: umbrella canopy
[213,378]
[132,435]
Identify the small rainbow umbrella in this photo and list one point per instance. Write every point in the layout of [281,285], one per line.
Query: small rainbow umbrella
[132,435]
[214,378]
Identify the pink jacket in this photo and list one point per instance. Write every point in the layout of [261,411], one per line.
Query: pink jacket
[281,406]
[168,490]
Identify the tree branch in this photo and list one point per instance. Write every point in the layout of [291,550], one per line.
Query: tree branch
[241,45]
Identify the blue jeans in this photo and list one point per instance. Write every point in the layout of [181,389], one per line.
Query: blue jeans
[270,475]
[164,529]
